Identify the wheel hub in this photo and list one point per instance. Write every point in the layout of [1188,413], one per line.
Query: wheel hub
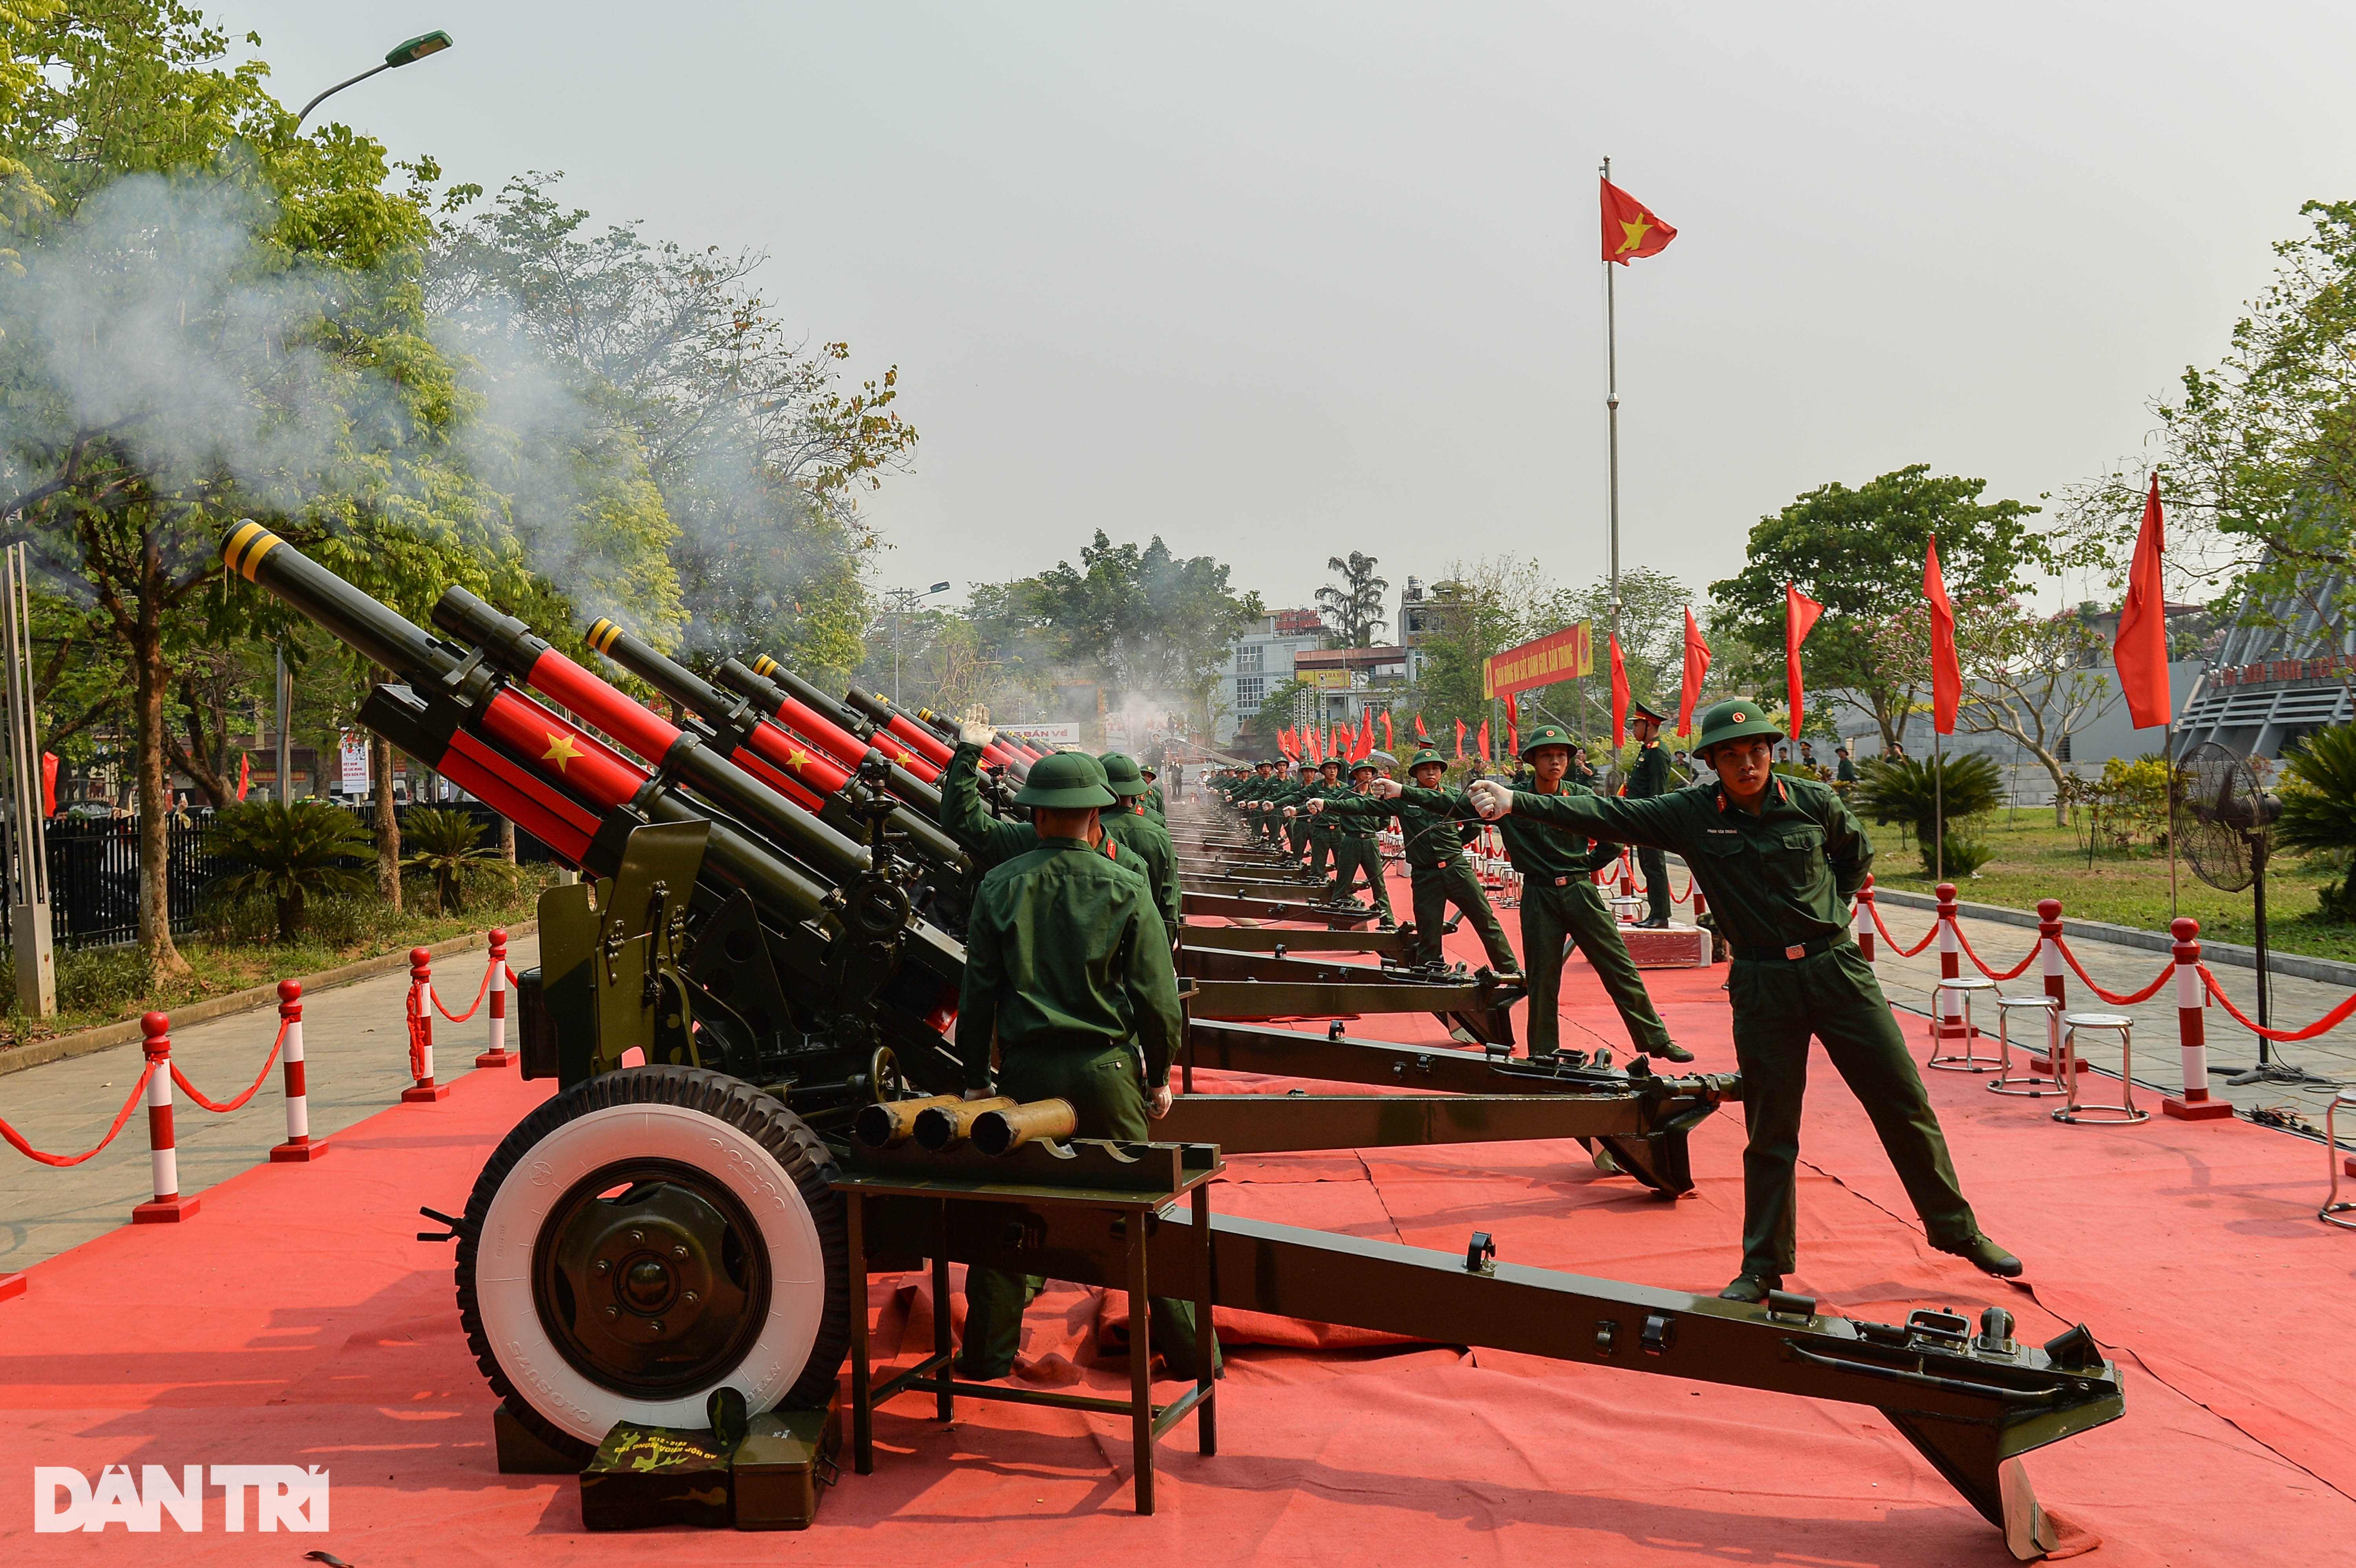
[653,1287]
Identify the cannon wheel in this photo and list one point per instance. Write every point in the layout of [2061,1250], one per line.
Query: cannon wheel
[645,1238]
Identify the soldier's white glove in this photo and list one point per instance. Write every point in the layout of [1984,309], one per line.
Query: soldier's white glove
[1386,788]
[1316,807]
[973,730]
[1490,798]
[1157,1102]
[1288,811]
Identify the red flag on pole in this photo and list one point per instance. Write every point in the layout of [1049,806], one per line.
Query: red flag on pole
[1946,669]
[2141,650]
[244,772]
[1486,755]
[1388,743]
[1366,736]
[1513,728]
[1309,738]
[48,784]
[1630,229]
[1460,739]
[1420,734]
[1696,671]
[1619,698]
[1800,614]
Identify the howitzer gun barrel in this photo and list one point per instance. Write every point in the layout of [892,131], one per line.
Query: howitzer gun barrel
[936,746]
[919,787]
[767,804]
[775,754]
[841,714]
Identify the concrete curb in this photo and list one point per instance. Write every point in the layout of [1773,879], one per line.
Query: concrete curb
[2329,971]
[106,1037]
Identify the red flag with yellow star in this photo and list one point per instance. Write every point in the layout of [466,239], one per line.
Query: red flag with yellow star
[1630,230]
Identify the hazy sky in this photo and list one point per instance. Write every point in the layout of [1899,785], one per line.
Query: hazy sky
[1280,281]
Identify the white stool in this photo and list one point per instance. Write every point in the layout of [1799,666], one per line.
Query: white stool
[1963,986]
[2030,1086]
[1623,909]
[2066,1067]
[2332,1207]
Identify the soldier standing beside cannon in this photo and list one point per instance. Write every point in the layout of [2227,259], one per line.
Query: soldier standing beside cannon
[1779,858]
[1068,974]
[1438,872]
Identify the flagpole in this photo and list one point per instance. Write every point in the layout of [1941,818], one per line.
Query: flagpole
[1612,408]
[1938,802]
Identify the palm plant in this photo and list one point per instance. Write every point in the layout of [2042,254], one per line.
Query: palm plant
[1913,792]
[288,850]
[447,843]
[2319,807]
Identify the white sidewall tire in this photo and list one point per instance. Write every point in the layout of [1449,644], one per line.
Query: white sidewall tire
[618,1135]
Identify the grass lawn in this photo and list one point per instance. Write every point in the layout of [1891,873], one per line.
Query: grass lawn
[233,952]
[2034,859]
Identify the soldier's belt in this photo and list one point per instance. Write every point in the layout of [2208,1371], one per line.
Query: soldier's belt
[1793,953]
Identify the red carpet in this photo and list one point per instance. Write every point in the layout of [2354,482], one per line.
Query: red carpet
[296,1322]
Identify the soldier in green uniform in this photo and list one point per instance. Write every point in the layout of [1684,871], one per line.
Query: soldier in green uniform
[1067,969]
[1139,840]
[1779,858]
[1296,819]
[1559,903]
[989,839]
[1153,801]
[1329,786]
[1354,848]
[1648,778]
[1438,872]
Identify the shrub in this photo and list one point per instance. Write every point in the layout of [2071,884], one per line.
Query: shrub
[2319,807]
[447,845]
[1910,791]
[289,851]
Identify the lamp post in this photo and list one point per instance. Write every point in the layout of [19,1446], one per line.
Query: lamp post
[902,600]
[407,53]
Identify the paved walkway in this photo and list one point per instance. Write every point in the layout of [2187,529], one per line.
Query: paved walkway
[2124,970]
[356,1049]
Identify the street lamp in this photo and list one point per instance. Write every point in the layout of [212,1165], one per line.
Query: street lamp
[401,54]
[902,600]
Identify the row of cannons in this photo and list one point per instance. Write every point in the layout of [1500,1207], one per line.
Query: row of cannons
[748,1005]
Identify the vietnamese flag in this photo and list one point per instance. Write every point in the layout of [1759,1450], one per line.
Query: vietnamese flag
[1513,728]
[1800,614]
[1946,669]
[1630,230]
[1696,671]
[2141,649]
[1619,698]
[1460,739]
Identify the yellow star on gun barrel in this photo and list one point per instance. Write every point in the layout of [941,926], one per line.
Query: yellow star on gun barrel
[560,749]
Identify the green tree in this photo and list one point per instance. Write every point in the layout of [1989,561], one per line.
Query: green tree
[2257,455]
[217,318]
[1356,603]
[2319,815]
[1144,623]
[448,843]
[1859,553]
[288,851]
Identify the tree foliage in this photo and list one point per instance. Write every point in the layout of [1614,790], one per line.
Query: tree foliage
[1859,553]
[1356,604]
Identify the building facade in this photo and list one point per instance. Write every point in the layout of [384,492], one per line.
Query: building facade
[1260,662]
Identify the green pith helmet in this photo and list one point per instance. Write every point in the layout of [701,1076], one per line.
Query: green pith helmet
[1068,781]
[1543,736]
[1429,754]
[1364,765]
[1736,719]
[1122,775]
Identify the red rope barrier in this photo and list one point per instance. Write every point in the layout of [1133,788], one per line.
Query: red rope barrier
[197,1095]
[2330,1020]
[2015,973]
[2113,997]
[480,992]
[1896,946]
[28,1151]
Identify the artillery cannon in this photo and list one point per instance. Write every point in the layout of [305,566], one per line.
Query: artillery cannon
[665,1246]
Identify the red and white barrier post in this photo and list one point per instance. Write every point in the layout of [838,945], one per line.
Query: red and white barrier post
[1627,875]
[424,1091]
[1862,923]
[168,1207]
[2049,951]
[1950,967]
[300,1147]
[497,1055]
[2194,1105]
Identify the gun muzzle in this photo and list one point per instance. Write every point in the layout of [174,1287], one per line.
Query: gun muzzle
[890,1123]
[997,1133]
[943,1128]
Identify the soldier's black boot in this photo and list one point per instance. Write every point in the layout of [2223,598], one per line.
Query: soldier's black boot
[1672,1051]
[1751,1288]
[1984,1255]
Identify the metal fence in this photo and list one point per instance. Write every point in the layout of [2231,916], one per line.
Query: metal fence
[95,870]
